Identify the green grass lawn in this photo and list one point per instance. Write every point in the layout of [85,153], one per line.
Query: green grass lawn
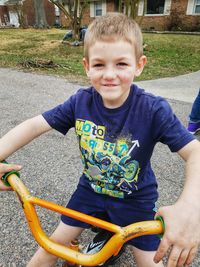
[168,54]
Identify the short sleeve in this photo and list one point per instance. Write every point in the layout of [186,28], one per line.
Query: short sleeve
[167,128]
[61,118]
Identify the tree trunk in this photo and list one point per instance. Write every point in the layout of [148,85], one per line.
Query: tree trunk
[40,16]
[72,13]
[75,22]
[21,17]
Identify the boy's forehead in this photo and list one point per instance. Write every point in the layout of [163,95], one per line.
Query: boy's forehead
[120,48]
[110,39]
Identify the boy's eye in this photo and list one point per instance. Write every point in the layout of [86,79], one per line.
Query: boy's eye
[98,65]
[122,64]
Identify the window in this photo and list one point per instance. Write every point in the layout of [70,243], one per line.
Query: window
[155,6]
[6,18]
[98,9]
[193,7]
[197,7]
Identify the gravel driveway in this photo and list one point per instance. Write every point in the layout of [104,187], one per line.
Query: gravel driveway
[51,164]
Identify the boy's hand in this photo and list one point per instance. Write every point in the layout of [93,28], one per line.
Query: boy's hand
[4,168]
[182,234]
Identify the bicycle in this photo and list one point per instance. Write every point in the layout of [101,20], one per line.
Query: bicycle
[114,241]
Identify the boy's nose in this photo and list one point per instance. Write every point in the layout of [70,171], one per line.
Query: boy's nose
[109,74]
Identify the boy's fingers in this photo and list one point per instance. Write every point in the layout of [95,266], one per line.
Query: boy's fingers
[4,187]
[162,250]
[9,167]
[183,258]
[174,257]
[177,256]
[191,256]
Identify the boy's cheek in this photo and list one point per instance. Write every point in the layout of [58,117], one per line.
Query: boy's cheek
[127,77]
[94,75]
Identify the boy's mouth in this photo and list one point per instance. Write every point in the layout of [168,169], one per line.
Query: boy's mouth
[110,85]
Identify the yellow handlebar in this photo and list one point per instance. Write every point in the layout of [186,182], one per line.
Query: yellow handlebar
[121,234]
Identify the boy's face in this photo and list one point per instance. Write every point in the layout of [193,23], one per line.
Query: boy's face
[111,69]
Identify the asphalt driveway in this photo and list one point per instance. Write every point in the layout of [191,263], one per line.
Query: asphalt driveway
[51,164]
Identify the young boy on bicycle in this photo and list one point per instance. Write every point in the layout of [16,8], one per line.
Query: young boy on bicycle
[118,125]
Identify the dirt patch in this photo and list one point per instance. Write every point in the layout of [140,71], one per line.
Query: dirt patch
[48,45]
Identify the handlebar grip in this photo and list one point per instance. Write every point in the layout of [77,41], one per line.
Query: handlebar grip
[160,218]
[4,178]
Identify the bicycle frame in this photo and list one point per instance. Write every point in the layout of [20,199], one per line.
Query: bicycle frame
[112,247]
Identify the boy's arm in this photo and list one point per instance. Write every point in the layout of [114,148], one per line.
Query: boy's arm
[18,137]
[182,234]
[22,135]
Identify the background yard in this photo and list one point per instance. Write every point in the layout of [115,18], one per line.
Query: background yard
[168,54]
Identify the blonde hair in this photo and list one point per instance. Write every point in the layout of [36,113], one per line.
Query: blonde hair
[111,27]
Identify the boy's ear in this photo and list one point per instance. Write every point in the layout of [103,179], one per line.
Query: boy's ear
[86,65]
[140,65]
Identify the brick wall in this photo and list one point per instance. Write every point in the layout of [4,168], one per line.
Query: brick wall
[157,23]
[177,20]
[50,12]
[3,13]
[186,22]
[110,6]
[30,12]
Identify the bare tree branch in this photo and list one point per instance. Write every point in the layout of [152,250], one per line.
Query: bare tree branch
[73,10]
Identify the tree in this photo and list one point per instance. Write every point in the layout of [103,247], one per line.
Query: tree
[73,10]
[130,7]
[40,16]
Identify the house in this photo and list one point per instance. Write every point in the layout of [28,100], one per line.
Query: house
[4,14]
[158,15]
[170,15]
[9,17]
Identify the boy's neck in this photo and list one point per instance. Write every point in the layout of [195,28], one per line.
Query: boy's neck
[116,103]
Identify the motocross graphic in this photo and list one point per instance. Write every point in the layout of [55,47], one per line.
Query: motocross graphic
[108,166]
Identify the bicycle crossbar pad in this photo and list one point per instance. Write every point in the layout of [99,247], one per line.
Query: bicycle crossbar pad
[112,247]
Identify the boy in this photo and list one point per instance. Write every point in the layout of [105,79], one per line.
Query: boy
[118,125]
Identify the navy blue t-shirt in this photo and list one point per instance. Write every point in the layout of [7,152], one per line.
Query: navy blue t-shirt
[116,144]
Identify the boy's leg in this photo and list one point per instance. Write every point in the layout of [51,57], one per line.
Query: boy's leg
[125,212]
[62,235]
[195,112]
[145,258]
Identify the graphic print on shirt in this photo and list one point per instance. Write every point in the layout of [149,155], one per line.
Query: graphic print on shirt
[108,166]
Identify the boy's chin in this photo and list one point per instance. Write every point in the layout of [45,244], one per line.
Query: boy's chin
[112,101]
